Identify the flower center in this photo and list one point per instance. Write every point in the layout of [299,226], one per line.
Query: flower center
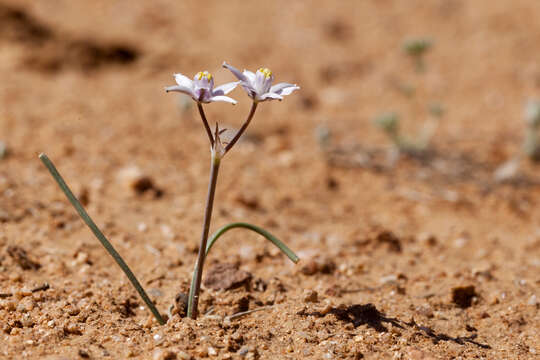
[203,74]
[266,72]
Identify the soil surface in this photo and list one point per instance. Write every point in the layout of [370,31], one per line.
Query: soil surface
[403,256]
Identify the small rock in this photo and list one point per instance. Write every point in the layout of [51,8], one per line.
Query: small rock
[81,257]
[183,355]
[164,355]
[242,304]
[417,354]
[318,265]
[84,196]
[532,301]
[311,296]
[133,178]
[388,238]
[167,231]
[9,305]
[243,351]
[507,171]
[142,227]
[212,351]
[180,304]
[463,296]
[202,352]
[460,242]
[84,354]
[388,279]
[72,329]
[226,277]
[310,268]
[326,309]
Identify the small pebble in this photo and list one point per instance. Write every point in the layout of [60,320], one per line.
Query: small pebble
[310,296]
[243,351]
[142,227]
[183,355]
[212,351]
[167,231]
[460,242]
[532,301]
[73,329]
[326,309]
[388,279]
[9,305]
[164,355]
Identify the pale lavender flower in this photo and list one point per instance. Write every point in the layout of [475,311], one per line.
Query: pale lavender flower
[259,86]
[201,88]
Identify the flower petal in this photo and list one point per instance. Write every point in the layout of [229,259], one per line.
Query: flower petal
[223,98]
[182,89]
[235,71]
[183,80]
[284,88]
[248,88]
[225,88]
[249,75]
[270,96]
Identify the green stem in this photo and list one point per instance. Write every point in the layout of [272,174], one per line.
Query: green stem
[193,298]
[205,123]
[99,235]
[243,128]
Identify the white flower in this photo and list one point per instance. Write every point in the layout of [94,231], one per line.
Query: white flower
[201,88]
[258,85]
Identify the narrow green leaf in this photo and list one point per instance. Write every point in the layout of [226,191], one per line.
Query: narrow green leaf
[99,235]
[290,254]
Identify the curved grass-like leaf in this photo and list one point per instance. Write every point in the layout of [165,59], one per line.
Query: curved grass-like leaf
[99,235]
[290,254]
[284,248]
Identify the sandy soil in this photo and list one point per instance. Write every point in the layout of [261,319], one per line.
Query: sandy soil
[416,259]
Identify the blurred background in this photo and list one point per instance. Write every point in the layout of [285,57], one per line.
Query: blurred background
[58,57]
[417,118]
[84,81]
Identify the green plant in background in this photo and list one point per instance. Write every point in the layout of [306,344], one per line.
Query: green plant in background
[509,170]
[389,123]
[3,149]
[416,48]
[201,89]
[531,144]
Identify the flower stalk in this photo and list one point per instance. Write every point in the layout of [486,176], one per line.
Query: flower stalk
[193,300]
[243,128]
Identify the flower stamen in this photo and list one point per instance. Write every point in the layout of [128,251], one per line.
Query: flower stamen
[266,72]
[203,74]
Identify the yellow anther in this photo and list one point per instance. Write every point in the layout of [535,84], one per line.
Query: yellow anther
[204,74]
[266,72]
